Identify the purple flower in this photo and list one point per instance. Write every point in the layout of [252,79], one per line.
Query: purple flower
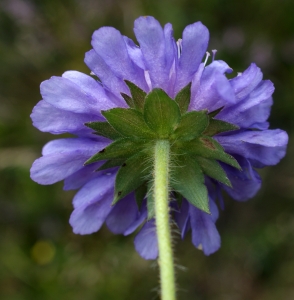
[159,61]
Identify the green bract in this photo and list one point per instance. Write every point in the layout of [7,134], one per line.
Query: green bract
[155,116]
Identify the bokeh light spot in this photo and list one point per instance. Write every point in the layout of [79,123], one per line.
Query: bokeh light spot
[43,252]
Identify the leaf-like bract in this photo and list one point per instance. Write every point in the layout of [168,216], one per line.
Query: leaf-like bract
[128,100]
[192,124]
[213,169]
[183,98]
[212,114]
[131,175]
[218,126]
[161,113]
[104,129]
[188,180]
[128,122]
[138,95]
[111,164]
[122,148]
[206,147]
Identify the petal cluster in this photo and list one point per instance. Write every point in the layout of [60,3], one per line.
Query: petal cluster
[74,99]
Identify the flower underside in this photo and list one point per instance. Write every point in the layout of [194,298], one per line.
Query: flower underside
[152,117]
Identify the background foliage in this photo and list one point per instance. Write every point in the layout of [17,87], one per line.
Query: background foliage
[40,257]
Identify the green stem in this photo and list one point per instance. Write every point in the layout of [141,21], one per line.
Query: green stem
[161,192]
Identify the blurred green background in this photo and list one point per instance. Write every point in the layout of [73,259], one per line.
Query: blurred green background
[40,257]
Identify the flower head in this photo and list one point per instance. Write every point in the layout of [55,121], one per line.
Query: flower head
[161,89]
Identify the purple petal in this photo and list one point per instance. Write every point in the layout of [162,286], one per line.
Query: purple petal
[213,210]
[47,118]
[81,177]
[123,214]
[93,88]
[218,66]
[252,110]
[220,197]
[170,45]
[146,241]
[110,45]
[214,91]
[267,147]
[245,183]
[221,66]
[92,204]
[182,218]
[196,85]
[245,83]
[135,53]
[89,219]
[63,157]
[114,84]
[214,193]
[156,53]
[76,92]
[141,217]
[87,146]
[194,45]
[171,53]
[260,125]
[95,190]
[204,232]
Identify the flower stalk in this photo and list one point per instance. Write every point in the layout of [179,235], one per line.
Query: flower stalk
[161,193]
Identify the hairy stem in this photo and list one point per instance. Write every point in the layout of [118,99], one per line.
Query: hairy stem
[161,181]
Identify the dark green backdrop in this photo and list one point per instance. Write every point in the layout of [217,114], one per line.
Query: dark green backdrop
[40,257]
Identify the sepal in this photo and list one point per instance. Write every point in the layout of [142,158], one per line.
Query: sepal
[128,122]
[213,169]
[212,114]
[132,174]
[183,98]
[219,126]
[188,180]
[192,125]
[205,147]
[128,99]
[122,148]
[138,96]
[104,129]
[161,113]
[111,164]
